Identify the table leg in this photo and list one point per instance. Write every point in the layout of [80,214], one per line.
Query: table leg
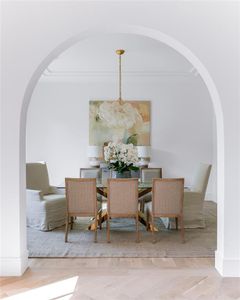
[143,220]
[101,217]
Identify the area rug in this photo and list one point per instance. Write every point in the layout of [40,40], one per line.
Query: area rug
[199,242]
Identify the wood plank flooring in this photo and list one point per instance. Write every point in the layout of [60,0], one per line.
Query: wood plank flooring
[120,278]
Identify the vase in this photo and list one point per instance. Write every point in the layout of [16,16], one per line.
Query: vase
[125,174]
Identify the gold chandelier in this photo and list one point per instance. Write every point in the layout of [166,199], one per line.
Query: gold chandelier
[119,113]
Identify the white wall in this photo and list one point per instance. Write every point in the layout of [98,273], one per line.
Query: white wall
[181,124]
[35,32]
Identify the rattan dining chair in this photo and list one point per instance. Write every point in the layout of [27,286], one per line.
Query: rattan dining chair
[147,175]
[94,173]
[81,198]
[167,201]
[90,173]
[122,202]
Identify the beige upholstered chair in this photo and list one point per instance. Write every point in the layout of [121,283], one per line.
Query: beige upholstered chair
[46,205]
[167,201]
[194,200]
[147,174]
[93,173]
[122,201]
[81,200]
[90,173]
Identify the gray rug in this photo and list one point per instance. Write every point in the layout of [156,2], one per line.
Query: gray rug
[199,242]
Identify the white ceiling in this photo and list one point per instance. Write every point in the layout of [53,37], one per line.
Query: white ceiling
[96,56]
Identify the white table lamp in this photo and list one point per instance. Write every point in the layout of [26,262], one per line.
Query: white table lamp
[94,154]
[144,153]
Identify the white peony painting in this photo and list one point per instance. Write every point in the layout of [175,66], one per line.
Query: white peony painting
[128,123]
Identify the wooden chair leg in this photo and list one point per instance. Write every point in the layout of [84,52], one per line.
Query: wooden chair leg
[108,229]
[137,230]
[182,230]
[176,221]
[72,218]
[66,228]
[152,229]
[95,231]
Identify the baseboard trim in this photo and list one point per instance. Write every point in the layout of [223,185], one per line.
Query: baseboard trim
[13,266]
[227,267]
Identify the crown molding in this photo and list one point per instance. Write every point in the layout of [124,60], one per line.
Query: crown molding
[81,75]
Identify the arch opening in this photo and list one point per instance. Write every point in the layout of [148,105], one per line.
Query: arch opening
[177,46]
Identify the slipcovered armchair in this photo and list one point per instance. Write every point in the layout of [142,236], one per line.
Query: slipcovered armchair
[46,205]
[194,200]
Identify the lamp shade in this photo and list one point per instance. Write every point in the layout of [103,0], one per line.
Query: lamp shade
[144,151]
[94,151]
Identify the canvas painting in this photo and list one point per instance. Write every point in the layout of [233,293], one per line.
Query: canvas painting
[129,124]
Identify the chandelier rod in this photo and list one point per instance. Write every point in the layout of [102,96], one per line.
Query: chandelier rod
[119,53]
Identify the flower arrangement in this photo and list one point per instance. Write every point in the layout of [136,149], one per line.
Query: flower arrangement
[121,157]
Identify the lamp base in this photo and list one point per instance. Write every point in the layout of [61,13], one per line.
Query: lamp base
[94,163]
[143,162]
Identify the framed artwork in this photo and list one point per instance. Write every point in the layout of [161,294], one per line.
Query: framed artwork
[107,123]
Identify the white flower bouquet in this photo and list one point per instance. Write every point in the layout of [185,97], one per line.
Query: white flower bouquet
[121,157]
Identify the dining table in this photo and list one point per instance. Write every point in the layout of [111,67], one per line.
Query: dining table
[143,187]
[102,189]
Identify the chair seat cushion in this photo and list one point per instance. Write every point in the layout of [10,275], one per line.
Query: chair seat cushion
[51,197]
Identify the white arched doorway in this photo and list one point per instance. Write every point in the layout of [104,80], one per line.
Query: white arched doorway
[177,46]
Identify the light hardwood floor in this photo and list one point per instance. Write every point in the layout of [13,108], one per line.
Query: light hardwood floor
[121,278]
